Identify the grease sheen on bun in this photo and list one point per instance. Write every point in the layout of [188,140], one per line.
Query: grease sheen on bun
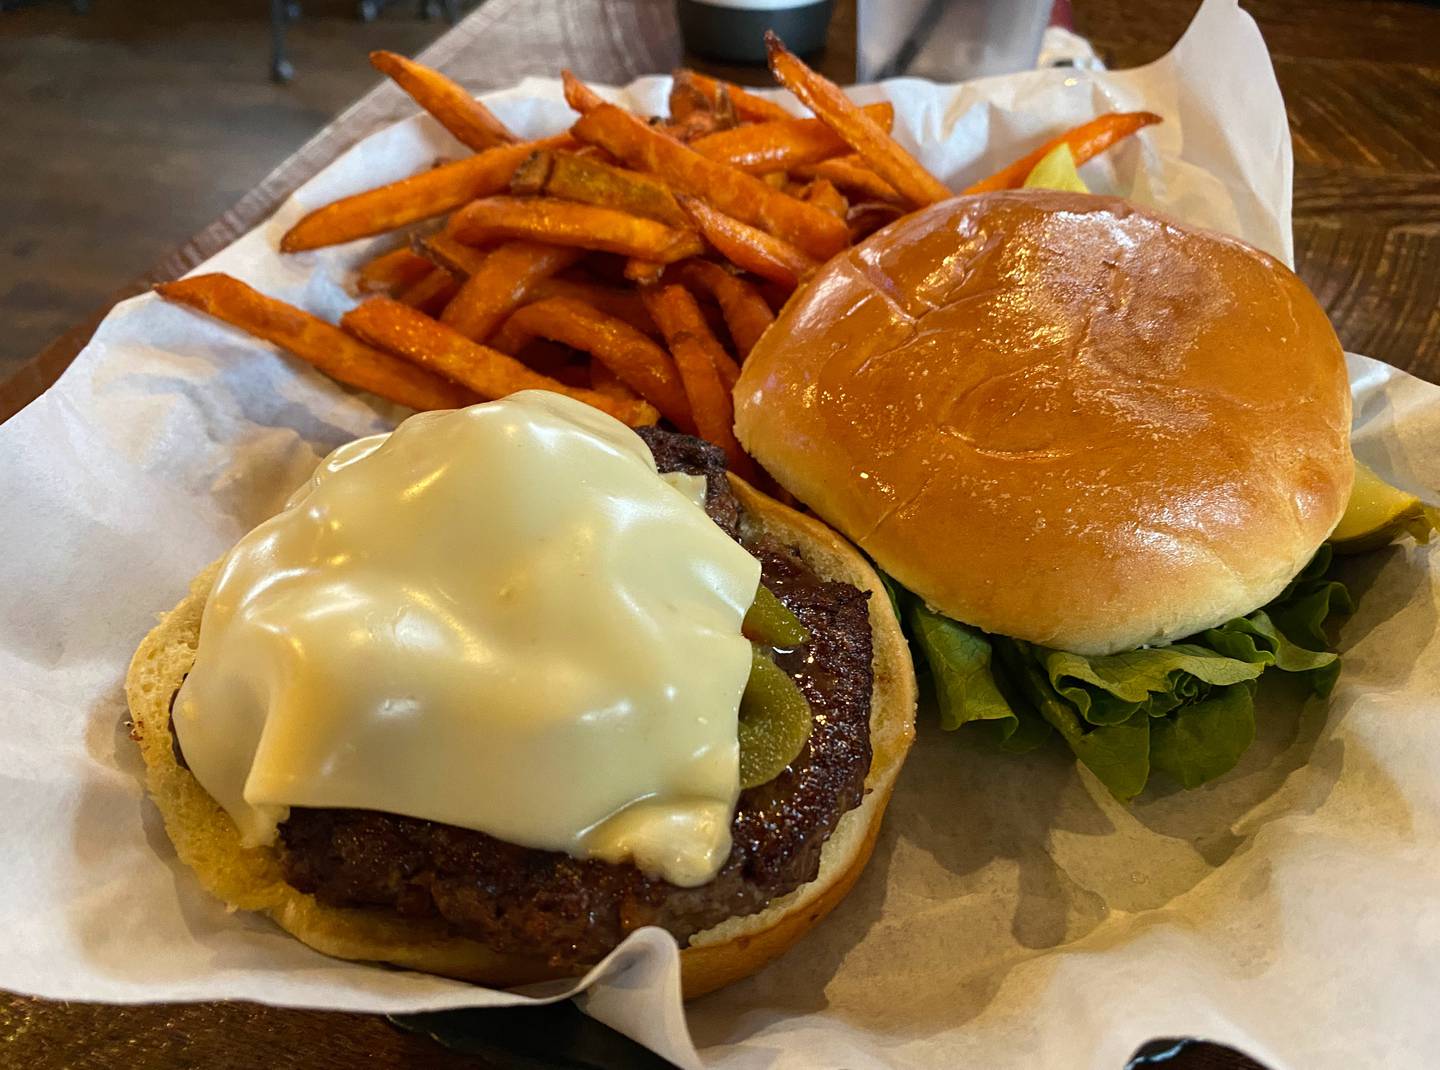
[1060,417]
[207,840]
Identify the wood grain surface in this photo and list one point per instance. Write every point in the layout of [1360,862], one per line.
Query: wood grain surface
[1361,80]
[128,128]
[1362,85]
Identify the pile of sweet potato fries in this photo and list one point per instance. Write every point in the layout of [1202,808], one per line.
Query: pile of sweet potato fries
[631,263]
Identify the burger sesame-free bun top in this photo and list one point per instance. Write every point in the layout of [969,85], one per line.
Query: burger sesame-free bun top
[1060,417]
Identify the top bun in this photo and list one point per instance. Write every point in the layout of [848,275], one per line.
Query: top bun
[1059,417]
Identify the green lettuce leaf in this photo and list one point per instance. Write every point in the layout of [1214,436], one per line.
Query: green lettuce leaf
[1119,754]
[1205,740]
[970,688]
[1112,688]
[1303,607]
[959,659]
[968,683]
[1186,709]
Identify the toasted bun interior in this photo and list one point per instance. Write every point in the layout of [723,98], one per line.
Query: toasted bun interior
[1060,417]
[207,841]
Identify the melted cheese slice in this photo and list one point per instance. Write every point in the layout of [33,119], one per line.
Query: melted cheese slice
[500,618]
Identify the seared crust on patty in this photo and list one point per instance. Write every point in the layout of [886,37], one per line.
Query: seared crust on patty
[571,911]
[696,457]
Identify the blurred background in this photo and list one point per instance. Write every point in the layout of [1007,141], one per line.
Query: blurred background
[126,128]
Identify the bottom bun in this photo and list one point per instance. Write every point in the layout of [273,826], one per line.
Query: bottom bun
[207,841]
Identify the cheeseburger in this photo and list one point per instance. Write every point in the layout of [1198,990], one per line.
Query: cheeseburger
[1098,452]
[498,688]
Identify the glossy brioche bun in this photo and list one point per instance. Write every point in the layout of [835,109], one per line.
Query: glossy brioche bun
[1060,417]
[207,841]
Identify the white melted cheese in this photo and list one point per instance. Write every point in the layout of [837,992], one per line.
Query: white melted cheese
[500,618]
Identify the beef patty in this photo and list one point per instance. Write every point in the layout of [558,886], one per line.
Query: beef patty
[520,900]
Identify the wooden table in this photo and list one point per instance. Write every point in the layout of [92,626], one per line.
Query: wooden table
[1362,85]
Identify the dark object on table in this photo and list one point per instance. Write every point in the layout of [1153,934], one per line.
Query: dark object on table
[560,1037]
[553,1037]
[736,34]
[1187,1053]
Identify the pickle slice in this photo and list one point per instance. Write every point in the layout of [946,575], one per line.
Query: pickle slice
[1378,514]
[774,721]
[768,621]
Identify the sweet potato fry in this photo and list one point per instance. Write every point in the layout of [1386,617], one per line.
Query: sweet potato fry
[514,338]
[394,270]
[604,381]
[690,130]
[622,304]
[638,362]
[748,248]
[724,363]
[530,177]
[583,226]
[693,113]
[644,272]
[726,366]
[313,340]
[589,181]
[745,311]
[455,257]
[490,373]
[723,108]
[696,351]
[687,98]
[679,315]
[747,105]
[471,122]
[578,95]
[432,293]
[822,193]
[783,143]
[854,176]
[1086,141]
[691,123]
[430,193]
[879,149]
[591,152]
[502,284]
[731,191]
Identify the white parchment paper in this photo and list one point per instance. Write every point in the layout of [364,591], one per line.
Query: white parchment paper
[1014,914]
